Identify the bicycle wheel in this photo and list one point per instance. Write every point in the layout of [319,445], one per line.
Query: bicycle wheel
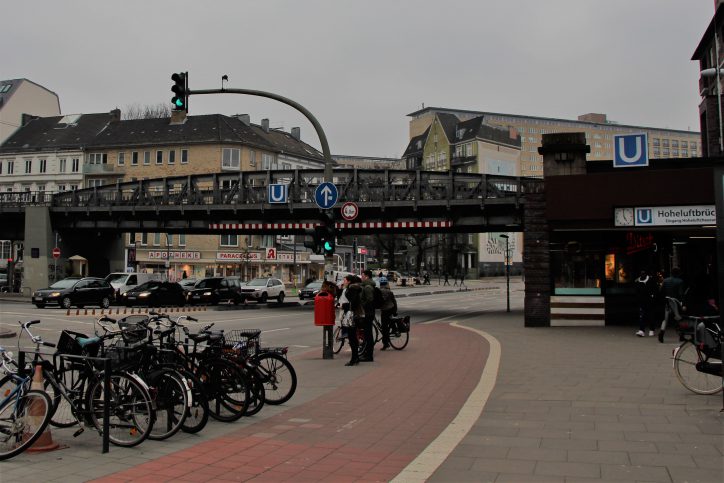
[256,395]
[64,411]
[338,342]
[22,421]
[198,413]
[131,410]
[280,378]
[376,337]
[399,340]
[685,359]
[227,389]
[171,394]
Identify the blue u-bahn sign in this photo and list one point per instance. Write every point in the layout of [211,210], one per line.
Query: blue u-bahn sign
[630,150]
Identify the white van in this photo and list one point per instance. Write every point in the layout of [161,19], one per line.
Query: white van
[122,282]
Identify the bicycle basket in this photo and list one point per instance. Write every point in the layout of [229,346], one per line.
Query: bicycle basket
[68,344]
[134,328]
[243,341]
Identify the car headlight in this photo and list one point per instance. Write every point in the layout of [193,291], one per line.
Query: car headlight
[144,294]
[207,294]
[124,294]
[55,294]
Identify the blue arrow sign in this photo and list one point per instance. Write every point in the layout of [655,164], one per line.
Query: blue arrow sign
[326,195]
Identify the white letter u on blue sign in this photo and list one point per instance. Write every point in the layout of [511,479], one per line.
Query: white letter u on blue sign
[277,193]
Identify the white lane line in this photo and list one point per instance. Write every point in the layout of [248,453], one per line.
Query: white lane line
[275,330]
[422,467]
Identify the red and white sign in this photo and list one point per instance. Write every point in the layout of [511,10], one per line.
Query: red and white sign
[271,253]
[56,252]
[173,255]
[350,211]
[362,251]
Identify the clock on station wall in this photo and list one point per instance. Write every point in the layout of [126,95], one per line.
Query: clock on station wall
[624,217]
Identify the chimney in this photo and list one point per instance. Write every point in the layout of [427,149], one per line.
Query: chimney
[178,117]
[115,115]
[244,118]
[265,125]
[296,133]
[593,117]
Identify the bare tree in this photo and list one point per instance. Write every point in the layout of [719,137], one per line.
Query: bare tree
[422,242]
[387,244]
[155,111]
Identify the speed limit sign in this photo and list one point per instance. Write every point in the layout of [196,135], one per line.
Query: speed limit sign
[350,211]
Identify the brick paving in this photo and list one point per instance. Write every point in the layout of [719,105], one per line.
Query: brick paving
[366,430]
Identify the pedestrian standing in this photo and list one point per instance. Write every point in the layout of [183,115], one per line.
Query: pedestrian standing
[455,279]
[350,303]
[447,282]
[645,292]
[368,306]
[462,278]
[671,288]
[388,309]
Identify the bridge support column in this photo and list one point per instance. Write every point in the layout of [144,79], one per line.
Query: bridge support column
[37,252]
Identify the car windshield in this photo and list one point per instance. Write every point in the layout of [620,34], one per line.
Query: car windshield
[66,283]
[258,282]
[116,277]
[314,285]
[209,283]
[147,286]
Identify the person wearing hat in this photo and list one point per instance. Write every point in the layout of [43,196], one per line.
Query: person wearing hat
[388,309]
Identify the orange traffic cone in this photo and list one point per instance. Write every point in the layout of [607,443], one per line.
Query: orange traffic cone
[45,441]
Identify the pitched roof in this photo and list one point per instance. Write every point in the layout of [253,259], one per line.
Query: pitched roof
[285,143]
[476,128]
[448,123]
[57,132]
[412,146]
[6,93]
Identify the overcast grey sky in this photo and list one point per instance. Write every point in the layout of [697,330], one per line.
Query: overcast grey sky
[362,66]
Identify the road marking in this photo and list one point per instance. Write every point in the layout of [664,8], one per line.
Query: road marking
[427,462]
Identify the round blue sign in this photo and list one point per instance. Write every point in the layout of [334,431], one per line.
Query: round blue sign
[326,195]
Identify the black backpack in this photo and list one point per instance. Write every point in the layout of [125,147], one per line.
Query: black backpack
[378,301]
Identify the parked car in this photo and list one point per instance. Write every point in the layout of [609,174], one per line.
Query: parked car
[213,290]
[75,291]
[154,294]
[310,290]
[123,282]
[262,289]
[187,283]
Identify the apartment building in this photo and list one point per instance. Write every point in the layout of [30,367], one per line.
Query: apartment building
[20,99]
[599,131]
[467,146]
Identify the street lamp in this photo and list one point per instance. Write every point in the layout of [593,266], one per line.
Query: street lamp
[715,72]
[507,272]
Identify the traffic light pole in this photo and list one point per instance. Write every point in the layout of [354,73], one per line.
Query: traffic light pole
[327,352]
[317,127]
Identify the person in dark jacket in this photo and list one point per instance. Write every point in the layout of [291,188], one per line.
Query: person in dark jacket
[368,305]
[645,291]
[388,309]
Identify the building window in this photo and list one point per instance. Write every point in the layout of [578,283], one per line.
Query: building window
[230,158]
[252,158]
[134,158]
[684,144]
[61,187]
[75,165]
[675,152]
[97,158]
[144,238]
[156,239]
[172,156]
[73,187]
[674,143]
[229,240]
[146,158]
[43,165]
[95,183]
[121,158]
[159,157]
[28,166]
[1,167]
[184,156]
[266,160]
[666,151]
[11,167]
[286,166]
[182,239]
[665,143]
[684,152]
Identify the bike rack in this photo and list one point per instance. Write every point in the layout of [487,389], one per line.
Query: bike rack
[106,386]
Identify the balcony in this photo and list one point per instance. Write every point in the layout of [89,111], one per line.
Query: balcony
[99,169]
[462,160]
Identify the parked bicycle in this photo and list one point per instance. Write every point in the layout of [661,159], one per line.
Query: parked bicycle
[24,412]
[697,360]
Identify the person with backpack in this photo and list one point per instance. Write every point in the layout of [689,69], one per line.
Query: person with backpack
[368,305]
[388,308]
[350,302]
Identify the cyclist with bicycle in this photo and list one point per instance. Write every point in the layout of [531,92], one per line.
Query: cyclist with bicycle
[368,304]
[388,309]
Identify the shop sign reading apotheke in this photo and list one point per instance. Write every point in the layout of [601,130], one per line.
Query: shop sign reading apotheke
[173,255]
[675,215]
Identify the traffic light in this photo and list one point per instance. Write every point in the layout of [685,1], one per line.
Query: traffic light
[315,243]
[328,235]
[180,90]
